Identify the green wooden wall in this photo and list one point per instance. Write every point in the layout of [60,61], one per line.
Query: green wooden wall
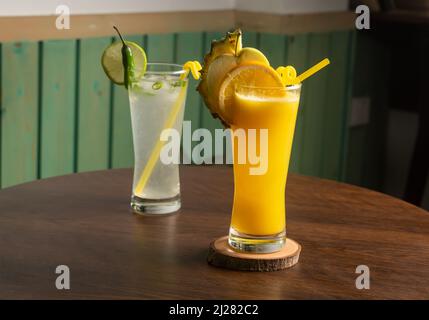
[60,114]
[366,152]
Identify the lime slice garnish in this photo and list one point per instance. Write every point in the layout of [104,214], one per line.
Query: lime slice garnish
[112,61]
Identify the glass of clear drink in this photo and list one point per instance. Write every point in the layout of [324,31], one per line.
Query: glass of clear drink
[157,104]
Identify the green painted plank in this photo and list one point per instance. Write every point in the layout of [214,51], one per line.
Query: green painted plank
[335,109]
[122,155]
[372,62]
[361,87]
[207,120]
[314,112]
[160,48]
[297,57]
[58,108]
[355,155]
[190,47]
[19,139]
[274,48]
[348,98]
[1,110]
[94,107]
[375,144]
[250,39]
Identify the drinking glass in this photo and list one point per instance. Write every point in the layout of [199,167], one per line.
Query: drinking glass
[157,104]
[258,221]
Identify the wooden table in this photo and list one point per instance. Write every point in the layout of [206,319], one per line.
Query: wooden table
[83,221]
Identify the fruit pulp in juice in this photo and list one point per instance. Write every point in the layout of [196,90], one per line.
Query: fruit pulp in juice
[259,200]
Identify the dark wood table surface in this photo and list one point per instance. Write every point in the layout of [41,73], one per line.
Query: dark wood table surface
[83,221]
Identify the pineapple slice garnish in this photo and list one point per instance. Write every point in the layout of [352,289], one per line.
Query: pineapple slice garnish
[225,55]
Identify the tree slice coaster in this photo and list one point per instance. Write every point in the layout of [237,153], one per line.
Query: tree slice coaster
[222,255]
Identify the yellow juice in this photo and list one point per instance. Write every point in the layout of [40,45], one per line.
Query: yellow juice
[259,200]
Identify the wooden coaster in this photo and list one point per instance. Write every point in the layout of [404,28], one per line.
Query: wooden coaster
[221,255]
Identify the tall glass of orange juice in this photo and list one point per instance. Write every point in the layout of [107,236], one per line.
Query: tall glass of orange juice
[258,221]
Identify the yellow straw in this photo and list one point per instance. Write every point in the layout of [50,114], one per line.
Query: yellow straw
[312,70]
[194,67]
[288,73]
[150,165]
[191,66]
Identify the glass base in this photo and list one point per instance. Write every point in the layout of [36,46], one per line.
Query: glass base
[256,244]
[155,206]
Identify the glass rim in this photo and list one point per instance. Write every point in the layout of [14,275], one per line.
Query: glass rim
[285,88]
[179,69]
